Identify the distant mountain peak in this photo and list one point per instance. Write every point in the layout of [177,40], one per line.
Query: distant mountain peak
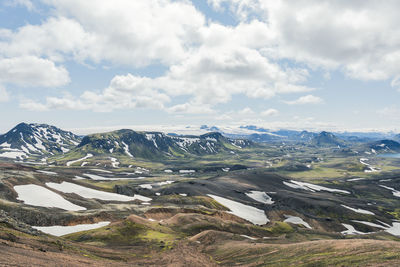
[326,139]
[33,139]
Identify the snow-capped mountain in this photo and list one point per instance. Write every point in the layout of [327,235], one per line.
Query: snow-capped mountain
[155,144]
[26,140]
[384,146]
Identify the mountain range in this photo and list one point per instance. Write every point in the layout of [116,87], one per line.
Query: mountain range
[155,144]
[43,141]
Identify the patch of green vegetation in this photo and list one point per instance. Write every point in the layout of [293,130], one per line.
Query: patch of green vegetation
[127,233]
[395,213]
[280,228]
[195,200]
[106,185]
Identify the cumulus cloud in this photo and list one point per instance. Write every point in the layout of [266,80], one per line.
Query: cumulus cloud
[224,117]
[32,105]
[211,75]
[270,112]
[134,33]
[32,71]
[215,72]
[207,63]
[57,39]
[307,99]
[246,111]
[358,37]
[124,92]
[190,108]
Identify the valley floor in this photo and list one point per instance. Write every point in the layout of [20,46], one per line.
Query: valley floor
[257,207]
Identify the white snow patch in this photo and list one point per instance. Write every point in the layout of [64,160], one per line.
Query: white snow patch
[187,171]
[64,150]
[5,144]
[249,237]
[58,230]
[101,178]
[260,197]
[351,230]
[313,187]
[114,162]
[126,148]
[252,214]
[358,210]
[370,224]
[31,147]
[36,195]
[39,144]
[69,163]
[92,193]
[13,155]
[168,171]
[47,172]
[394,191]
[355,179]
[150,186]
[152,137]
[395,229]
[296,220]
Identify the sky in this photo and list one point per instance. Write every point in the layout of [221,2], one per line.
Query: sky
[94,65]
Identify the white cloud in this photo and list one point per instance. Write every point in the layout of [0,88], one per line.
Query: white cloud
[29,104]
[224,117]
[308,99]
[57,38]
[124,92]
[211,75]
[123,32]
[209,63]
[362,38]
[214,73]
[246,111]
[4,97]
[270,112]
[32,71]
[190,108]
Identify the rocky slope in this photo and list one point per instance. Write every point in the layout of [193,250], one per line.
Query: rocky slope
[151,145]
[28,140]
